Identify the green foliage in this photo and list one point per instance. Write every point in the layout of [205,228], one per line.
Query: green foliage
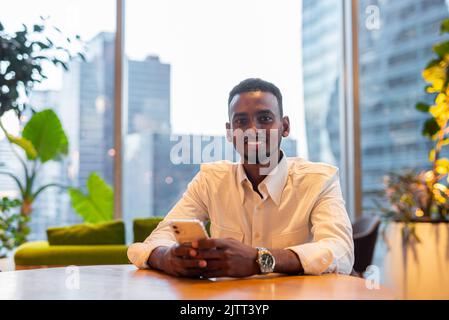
[423,107]
[430,128]
[22,56]
[23,143]
[445,26]
[423,196]
[43,139]
[44,131]
[11,235]
[97,205]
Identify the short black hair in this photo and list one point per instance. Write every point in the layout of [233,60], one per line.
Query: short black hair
[256,84]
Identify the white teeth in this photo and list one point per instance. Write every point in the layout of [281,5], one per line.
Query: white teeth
[254,143]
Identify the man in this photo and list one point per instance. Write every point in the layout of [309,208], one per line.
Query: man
[285,218]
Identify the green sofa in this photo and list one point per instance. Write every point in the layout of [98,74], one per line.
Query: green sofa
[81,245]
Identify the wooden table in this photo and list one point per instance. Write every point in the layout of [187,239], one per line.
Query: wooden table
[126,282]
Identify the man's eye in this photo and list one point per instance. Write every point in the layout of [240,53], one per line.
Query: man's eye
[240,121]
[265,119]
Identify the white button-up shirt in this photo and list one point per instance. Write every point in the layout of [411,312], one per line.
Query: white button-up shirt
[301,209]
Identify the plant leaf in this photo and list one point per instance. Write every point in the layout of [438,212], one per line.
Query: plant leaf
[431,127]
[45,132]
[98,204]
[25,144]
[423,107]
[441,49]
[445,26]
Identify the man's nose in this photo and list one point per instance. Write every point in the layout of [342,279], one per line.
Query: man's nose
[253,125]
[252,129]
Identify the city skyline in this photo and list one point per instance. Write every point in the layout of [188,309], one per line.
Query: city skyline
[152,182]
[199,48]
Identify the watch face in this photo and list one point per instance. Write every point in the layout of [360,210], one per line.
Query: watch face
[266,260]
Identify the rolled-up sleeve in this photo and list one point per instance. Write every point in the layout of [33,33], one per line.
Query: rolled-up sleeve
[193,204]
[332,248]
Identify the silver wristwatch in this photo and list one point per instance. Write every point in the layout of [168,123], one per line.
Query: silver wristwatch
[265,260]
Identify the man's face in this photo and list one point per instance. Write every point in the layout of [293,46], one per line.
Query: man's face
[257,116]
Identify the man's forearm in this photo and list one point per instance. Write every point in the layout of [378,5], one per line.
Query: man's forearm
[286,262]
[155,261]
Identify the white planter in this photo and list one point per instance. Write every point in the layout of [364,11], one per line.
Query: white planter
[418,270]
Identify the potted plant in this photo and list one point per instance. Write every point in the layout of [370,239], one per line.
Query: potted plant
[22,57]
[417,233]
[43,139]
[10,235]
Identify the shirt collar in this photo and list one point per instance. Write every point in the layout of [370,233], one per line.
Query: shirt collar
[274,182]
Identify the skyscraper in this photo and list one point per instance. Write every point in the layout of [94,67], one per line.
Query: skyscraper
[89,90]
[88,97]
[322,56]
[85,105]
[148,95]
[392,58]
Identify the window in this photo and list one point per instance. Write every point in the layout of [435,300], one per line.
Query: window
[180,68]
[326,94]
[322,63]
[82,97]
[395,142]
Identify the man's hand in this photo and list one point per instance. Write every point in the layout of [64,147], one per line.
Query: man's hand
[225,258]
[214,258]
[177,260]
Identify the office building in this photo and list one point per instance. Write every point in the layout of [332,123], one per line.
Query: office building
[322,55]
[392,57]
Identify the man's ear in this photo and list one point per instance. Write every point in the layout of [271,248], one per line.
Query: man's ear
[228,132]
[285,127]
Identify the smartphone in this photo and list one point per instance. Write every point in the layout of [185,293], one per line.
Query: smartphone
[188,230]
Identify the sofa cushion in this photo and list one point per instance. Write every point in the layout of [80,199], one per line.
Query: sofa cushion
[40,253]
[105,233]
[143,227]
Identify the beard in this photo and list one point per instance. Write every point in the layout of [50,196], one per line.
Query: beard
[257,147]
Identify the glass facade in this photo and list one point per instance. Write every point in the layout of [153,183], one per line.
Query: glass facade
[83,98]
[177,87]
[175,84]
[395,44]
[322,59]
[165,96]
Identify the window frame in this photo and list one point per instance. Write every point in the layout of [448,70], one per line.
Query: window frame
[349,110]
